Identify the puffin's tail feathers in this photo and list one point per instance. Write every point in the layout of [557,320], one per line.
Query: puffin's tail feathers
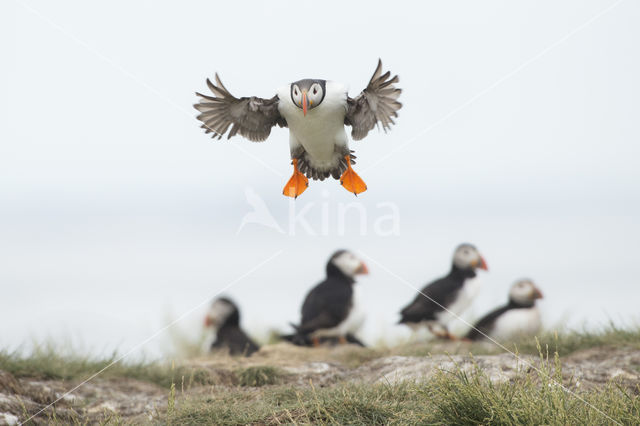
[297,339]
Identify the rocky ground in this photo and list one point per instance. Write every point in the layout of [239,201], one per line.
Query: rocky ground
[133,401]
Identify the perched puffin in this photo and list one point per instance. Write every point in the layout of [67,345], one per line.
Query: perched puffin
[330,309]
[316,113]
[224,317]
[519,317]
[454,292]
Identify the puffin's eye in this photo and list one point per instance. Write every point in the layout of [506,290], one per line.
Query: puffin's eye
[315,90]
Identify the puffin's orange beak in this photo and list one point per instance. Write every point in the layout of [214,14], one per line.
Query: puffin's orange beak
[304,103]
[208,321]
[363,269]
[537,294]
[483,264]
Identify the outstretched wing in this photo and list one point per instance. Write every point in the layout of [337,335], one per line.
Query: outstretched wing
[252,117]
[376,104]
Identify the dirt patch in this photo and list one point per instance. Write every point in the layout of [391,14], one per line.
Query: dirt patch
[95,401]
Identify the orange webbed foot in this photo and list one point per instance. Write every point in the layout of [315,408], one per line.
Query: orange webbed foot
[452,337]
[351,181]
[297,184]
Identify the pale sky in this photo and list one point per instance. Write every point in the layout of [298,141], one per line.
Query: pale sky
[518,133]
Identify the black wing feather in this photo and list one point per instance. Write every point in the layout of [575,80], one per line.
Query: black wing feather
[251,117]
[326,306]
[429,301]
[234,339]
[486,324]
[376,104]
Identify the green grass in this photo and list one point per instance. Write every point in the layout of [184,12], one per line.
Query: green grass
[451,398]
[566,343]
[241,392]
[47,363]
[259,376]
[563,342]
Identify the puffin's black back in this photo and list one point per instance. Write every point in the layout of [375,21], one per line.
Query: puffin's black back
[487,322]
[231,336]
[328,303]
[443,291]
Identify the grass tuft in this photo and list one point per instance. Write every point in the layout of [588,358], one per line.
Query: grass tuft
[459,396]
[49,363]
[568,342]
[258,376]
[455,397]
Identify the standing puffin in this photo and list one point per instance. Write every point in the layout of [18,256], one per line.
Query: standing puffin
[316,113]
[330,309]
[454,292]
[224,318]
[519,317]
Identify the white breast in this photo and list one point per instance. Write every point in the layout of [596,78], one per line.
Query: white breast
[464,298]
[517,322]
[323,127]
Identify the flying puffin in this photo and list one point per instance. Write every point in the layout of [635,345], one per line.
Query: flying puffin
[224,318]
[330,310]
[316,113]
[518,317]
[455,291]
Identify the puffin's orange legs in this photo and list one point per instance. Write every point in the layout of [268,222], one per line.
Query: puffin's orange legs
[297,184]
[350,179]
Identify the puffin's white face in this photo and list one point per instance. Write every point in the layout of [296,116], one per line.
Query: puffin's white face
[307,94]
[467,256]
[218,313]
[349,264]
[524,292]
[315,94]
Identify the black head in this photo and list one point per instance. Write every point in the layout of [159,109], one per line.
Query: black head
[345,263]
[308,93]
[467,257]
[524,293]
[222,312]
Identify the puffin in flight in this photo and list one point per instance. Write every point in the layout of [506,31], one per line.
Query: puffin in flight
[224,318]
[316,113]
[330,310]
[519,317]
[444,299]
